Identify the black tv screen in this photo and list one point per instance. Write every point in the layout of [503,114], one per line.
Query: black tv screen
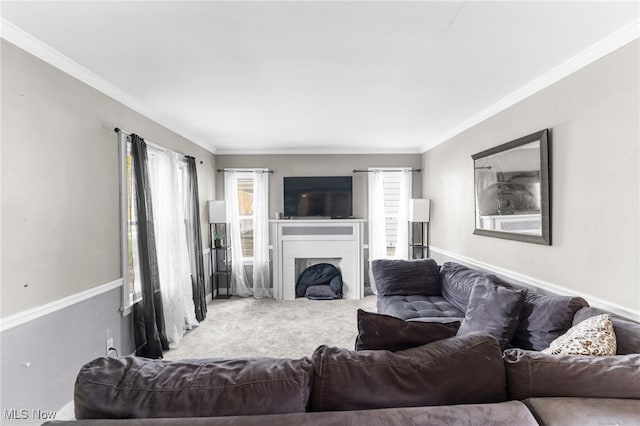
[326,196]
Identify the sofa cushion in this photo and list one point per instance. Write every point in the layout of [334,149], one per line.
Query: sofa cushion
[384,332]
[593,336]
[545,318]
[460,370]
[584,411]
[409,307]
[406,277]
[138,388]
[534,374]
[494,309]
[508,413]
[458,281]
[627,331]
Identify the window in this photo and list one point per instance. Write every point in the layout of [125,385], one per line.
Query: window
[392,196]
[245,202]
[132,286]
[246,192]
[389,193]
[132,289]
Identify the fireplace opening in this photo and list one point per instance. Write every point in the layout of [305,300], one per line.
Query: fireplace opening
[320,281]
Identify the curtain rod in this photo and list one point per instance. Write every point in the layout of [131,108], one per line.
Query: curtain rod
[153,145]
[236,170]
[387,170]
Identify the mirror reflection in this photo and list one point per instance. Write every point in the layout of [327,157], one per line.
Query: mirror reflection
[511,190]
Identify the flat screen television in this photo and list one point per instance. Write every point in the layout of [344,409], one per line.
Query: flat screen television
[318,196]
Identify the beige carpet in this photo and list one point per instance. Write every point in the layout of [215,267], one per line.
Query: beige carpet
[247,327]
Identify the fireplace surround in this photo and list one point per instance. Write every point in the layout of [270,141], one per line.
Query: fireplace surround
[335,241]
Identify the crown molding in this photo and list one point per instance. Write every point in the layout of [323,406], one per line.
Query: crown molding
[318,151]
[596,51]
[34,46]
[41,50]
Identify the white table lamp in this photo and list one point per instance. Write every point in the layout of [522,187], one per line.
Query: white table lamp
[419,210]
[217,211]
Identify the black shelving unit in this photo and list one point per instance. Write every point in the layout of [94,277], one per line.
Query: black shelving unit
[418,240]
[220,260]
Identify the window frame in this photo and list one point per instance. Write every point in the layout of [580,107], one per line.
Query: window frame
[247,260]
[129,296]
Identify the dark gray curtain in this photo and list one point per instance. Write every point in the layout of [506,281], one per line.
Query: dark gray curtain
[148,317]
[194,240]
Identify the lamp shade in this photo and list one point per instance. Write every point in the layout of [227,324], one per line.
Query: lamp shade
[419,210]
[217,211]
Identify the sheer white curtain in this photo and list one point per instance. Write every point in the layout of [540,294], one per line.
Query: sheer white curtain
[377,221]
[260,283]
[173,257]
[239,281]
[402,244]
[261,274]
[381,197]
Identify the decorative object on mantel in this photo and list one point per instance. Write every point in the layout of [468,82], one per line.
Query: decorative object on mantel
[220,249]
[418,216]
[512,187]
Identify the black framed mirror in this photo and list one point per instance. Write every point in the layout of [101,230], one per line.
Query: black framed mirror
[512,190]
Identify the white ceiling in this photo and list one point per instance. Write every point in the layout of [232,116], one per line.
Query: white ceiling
[320,76]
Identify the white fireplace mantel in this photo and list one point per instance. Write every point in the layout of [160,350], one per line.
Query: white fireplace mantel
[338,240]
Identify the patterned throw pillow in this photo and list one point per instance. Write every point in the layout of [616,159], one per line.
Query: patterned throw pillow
[593,336]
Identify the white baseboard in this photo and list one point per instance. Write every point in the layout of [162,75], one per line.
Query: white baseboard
[40,311]
[536,283]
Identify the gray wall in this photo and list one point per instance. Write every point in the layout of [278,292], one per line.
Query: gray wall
[41,358]
[60,223]
[60,217]
[320,165]
[594,116]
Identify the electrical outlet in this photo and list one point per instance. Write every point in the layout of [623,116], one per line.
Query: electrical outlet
[109,345]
